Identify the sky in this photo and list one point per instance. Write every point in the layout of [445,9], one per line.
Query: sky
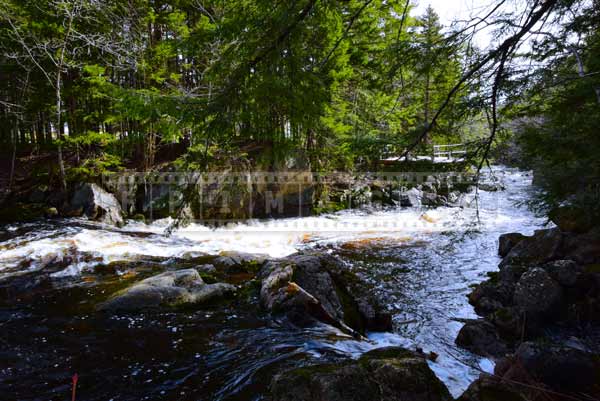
[446,9]
[451,10]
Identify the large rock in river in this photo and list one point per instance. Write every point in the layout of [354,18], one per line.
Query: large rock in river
[170,288]
[96,204]
[386,374]
[309,287]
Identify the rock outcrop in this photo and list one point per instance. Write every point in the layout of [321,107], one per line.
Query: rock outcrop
[172,288]
[390,374]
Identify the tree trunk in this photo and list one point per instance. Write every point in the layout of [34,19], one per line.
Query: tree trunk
[59,131]
[427,138]
[12,162]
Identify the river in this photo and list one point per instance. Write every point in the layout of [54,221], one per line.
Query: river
[421,264]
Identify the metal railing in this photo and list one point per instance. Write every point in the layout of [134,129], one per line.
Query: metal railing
[452,151]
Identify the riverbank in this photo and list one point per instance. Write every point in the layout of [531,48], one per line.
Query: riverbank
[541,314]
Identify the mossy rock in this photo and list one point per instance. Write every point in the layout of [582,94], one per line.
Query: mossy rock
[391,374]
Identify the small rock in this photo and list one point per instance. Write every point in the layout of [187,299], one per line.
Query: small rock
[50,212]
[239,261]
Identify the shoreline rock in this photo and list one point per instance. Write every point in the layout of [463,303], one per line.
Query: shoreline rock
[540,371]
[391,374]
[544,280]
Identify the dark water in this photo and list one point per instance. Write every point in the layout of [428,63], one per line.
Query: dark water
[53,274]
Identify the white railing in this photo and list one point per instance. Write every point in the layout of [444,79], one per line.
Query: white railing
[451,152]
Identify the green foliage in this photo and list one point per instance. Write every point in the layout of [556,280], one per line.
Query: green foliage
[307,84]
[93,168]
[556,125]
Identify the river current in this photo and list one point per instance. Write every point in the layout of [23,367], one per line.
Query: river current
[420,262]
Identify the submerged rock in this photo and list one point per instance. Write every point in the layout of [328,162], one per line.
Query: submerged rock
[170,288]
[96,204]
[309,287]
[390,374]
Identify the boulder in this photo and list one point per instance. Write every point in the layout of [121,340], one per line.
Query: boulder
[543,246]
[480,337]
[97,204]
[561,368]
[565,272]
[491,388]
[540,371]
[491,295]
[388,374]
[172,288]
[507,241]
[239,262]
[431,199]
[510,325]
[309,288]
[537,293]
[411,198]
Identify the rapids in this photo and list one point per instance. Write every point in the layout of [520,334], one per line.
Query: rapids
[421,263]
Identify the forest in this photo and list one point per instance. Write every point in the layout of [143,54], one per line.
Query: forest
[116,281]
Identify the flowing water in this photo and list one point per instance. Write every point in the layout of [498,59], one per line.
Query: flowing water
[421,264]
